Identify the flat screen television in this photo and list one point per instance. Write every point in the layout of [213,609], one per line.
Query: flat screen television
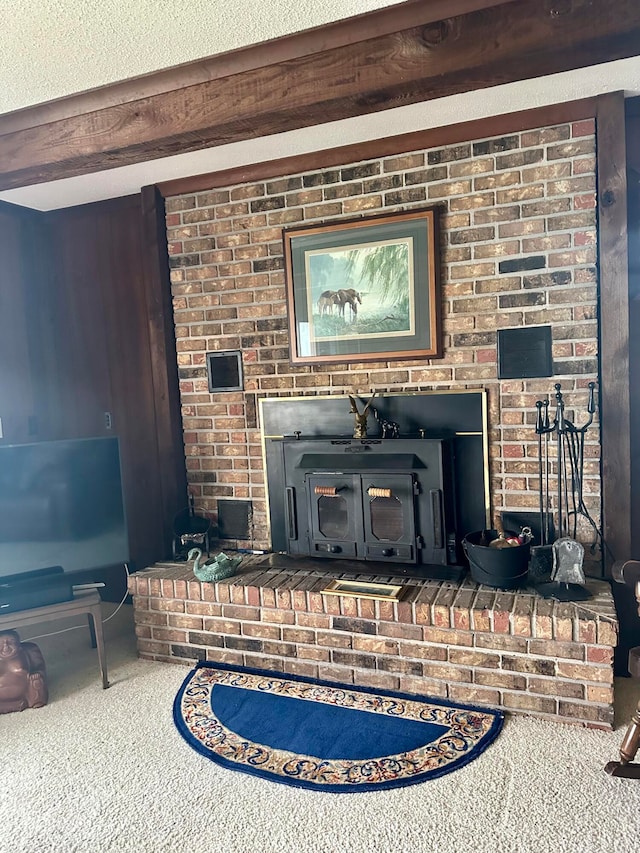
[61,504]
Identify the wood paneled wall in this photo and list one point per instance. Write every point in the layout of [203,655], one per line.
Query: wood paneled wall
[77,291]
[16,399]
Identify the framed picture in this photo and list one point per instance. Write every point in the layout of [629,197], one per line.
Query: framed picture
[365,290]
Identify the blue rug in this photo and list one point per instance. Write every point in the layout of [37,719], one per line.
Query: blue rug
[325,736]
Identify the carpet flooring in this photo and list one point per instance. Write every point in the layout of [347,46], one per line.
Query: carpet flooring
[98,771]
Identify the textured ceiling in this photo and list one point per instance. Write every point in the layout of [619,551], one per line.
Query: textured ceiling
[52,48]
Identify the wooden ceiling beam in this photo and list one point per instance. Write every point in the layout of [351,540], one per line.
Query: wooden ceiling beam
[422,59]
[342,33]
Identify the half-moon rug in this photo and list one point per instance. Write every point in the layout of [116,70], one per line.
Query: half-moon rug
[326,736]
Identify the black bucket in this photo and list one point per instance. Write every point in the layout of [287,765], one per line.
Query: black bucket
[504,568]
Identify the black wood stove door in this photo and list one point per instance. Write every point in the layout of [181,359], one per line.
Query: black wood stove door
[371,516]
[335,523]
[389,517]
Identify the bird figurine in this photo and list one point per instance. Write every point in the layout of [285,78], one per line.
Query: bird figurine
[216,569]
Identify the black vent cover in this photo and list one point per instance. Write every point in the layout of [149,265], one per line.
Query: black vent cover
[524,353]
[224,371]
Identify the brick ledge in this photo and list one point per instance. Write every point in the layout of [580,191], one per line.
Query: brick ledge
[462,641]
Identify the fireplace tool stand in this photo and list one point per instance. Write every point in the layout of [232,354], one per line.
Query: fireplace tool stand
[570,465]
[567,577]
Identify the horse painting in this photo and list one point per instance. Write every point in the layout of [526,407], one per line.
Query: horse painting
[351,298]
[339,299]
[326,302]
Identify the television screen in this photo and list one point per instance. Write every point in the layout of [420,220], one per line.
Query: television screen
[61,504]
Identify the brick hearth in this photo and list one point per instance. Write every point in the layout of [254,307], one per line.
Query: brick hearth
[461,641]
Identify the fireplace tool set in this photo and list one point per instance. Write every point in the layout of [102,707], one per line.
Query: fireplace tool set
[570,505]
[570,465]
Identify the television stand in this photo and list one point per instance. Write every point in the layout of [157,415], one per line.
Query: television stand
[88,602]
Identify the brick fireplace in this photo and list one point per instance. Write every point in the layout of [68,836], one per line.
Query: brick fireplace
[518,249]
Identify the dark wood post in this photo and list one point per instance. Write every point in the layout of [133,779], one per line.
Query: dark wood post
[173,477]
[614,326]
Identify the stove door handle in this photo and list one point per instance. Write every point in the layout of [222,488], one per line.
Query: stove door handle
[376,492]
[326,491]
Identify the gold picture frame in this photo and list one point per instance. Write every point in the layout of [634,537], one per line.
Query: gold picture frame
[364,589]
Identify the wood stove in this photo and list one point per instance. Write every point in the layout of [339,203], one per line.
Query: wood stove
[401,504]
[389,500]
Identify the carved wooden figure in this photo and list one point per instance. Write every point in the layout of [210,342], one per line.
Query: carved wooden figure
[23,678]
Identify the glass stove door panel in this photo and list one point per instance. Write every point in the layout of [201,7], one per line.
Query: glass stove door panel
[389,517]
[335,510]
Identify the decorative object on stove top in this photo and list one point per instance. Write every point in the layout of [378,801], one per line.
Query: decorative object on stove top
[503,567]
[360,428]
[216,569]
[190,529]
[567,578]
[391,429]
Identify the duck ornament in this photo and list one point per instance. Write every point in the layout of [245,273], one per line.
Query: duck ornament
[216,569]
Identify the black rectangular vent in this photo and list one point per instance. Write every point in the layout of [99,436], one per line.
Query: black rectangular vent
[234,519]
[524,353]
[224,371]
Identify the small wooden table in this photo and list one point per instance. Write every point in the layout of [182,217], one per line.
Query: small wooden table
[88,602]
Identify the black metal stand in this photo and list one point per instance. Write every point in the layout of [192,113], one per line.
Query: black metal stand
[570,463]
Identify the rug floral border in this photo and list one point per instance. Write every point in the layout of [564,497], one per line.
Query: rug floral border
[468,731]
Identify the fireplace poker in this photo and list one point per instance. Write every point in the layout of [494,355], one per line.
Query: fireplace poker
[543,428]
[559,425]
[547,506]
[576,437]
[539,434]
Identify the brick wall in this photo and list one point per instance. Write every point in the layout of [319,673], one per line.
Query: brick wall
[519,248]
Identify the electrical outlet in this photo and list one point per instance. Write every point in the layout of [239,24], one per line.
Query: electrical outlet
[108,421]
